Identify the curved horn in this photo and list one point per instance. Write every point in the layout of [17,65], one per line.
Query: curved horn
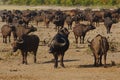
[58,43]
[88,40]
[20,41]
[61,44]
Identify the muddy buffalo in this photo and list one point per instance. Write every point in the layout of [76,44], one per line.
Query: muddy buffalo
[99,46]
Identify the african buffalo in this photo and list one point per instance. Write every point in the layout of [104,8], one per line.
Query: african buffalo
[59,45]
[21,30]
[108,21]
[6,32]
[59,19]
[80,30]
[29,43]
[99,46]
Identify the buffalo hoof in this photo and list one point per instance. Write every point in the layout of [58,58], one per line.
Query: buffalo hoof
[62,65]
[101,64]
[96,65]
[24,63]
[55,66]
[105,66]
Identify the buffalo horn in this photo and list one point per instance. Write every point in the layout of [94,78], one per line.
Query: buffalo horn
[88,40]
[20,41]
[58,43]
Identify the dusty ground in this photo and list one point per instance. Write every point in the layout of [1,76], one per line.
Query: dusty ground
[78,61]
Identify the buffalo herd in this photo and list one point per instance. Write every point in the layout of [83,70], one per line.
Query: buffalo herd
[18,23]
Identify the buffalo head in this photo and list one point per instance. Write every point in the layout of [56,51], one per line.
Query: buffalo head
[64,31]
[16,44]
[91,27]
[32,28]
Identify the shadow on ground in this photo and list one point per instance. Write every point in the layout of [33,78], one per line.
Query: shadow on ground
[52,61]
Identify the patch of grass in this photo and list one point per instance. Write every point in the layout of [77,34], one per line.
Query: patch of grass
[114,46]
[88,50]
[11,55]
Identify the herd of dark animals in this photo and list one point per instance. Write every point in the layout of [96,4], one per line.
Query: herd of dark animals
[17,23]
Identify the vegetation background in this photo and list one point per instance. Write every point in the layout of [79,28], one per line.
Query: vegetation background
[63,2]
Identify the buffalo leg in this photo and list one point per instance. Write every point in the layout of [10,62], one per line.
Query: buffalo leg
[61,60]
[34,57]
[101,60]
[9,39]
[80,39]
[97,61]
[56,60]
[37,23]
[108,30]
[68,27]
[83,39]
[105,55]
[23,60]
[3,40]
[47,24]
[76,39]
[25,55]
[94,60]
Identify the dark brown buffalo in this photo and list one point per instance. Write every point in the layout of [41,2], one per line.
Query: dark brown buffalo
[108,23]
[3,14]
[59,19]
[99,46]
[6,32]
[59,46]
[80,30]
[29,43]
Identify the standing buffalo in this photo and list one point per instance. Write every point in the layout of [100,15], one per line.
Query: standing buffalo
[59,45]
[80,30]
[108,24]
[21,30]
[6,32]
[29,43]
[99,46]
[69,21]
[59,19]
[108,21]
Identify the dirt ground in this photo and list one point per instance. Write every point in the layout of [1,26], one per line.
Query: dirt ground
[78,60]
